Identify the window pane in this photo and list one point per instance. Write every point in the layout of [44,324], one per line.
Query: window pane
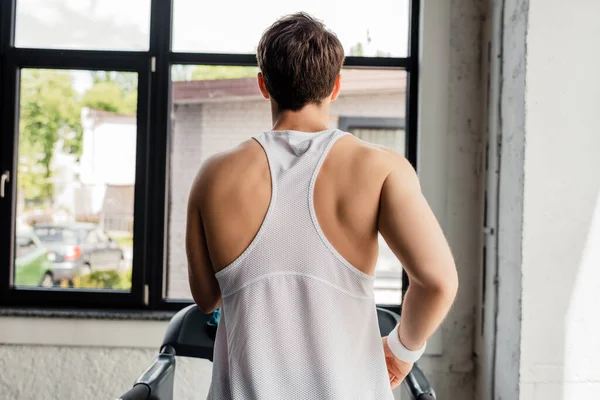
[75,179]
[83,24]
[374,28]
[215,108]
[389,269]
[393,138]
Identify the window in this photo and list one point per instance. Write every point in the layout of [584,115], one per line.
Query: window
[25,245]
[108,110]
[32,262]
[389,132]
[216,107]
[83,24]
[374,29]
[76,142]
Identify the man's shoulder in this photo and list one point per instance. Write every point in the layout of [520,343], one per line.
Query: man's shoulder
[373,157]
[241,157]
[226,169]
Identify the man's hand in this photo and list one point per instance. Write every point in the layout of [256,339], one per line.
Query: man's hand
[397,369]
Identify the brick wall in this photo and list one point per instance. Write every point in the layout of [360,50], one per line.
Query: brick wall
[200,130]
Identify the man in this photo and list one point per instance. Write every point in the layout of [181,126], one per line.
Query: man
[282,232]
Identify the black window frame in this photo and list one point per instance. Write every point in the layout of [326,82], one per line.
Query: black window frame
[348,123]
[149,280]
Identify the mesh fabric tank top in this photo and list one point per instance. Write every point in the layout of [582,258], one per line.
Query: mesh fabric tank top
[298,320]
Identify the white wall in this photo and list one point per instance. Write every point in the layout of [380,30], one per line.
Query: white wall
[450,169]
[73,373]
[548,264]
[108,153]
[561,211]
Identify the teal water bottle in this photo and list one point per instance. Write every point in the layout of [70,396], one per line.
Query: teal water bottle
[211,324]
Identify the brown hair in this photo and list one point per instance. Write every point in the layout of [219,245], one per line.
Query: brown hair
[299,59]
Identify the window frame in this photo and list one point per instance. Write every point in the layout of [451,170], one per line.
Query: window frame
[347,123]
[149,279]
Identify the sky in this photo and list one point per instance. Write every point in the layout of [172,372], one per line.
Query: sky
[231,26]
[207,26]
[196,28]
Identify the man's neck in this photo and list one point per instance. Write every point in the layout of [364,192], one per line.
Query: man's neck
[310,118]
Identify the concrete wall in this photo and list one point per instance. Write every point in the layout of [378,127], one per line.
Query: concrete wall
[561,206]
[450,168]
[71,373]
[511,139]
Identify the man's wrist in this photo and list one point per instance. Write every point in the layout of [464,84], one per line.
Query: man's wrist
[413,344]
[400,351]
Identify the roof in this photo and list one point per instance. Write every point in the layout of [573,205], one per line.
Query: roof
[354,81]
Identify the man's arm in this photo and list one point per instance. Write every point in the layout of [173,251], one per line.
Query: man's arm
[414,235]
[203,284]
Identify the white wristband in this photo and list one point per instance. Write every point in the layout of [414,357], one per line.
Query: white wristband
[400,351]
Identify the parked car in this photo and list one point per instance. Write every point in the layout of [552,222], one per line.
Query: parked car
[32,265]
[77,249]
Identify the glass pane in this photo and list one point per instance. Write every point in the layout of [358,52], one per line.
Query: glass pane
[374,28]
[83,24]
[389,269]
[215,108]
[393,138]
[75,179]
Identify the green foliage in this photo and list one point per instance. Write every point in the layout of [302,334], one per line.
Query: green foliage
[356,50]
[380,53]
[49,112]
[124,240]
[109,96]
[211,72]
[113,91]
[127,81]
[109,279]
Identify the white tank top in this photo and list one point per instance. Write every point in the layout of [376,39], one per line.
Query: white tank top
[298,320]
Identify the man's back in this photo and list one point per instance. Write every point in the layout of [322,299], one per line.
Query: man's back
[282,269]
[346,199]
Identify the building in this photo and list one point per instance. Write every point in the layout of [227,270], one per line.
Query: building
[107,169]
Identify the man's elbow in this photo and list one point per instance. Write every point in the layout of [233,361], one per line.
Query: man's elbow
[443,288]
[207,304]
[207,310]
[447,288]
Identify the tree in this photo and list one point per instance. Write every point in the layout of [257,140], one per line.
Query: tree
[109,96]
[127,81]
[211,72]
[113,91]
[356,50]
[381,53]
[49,112]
